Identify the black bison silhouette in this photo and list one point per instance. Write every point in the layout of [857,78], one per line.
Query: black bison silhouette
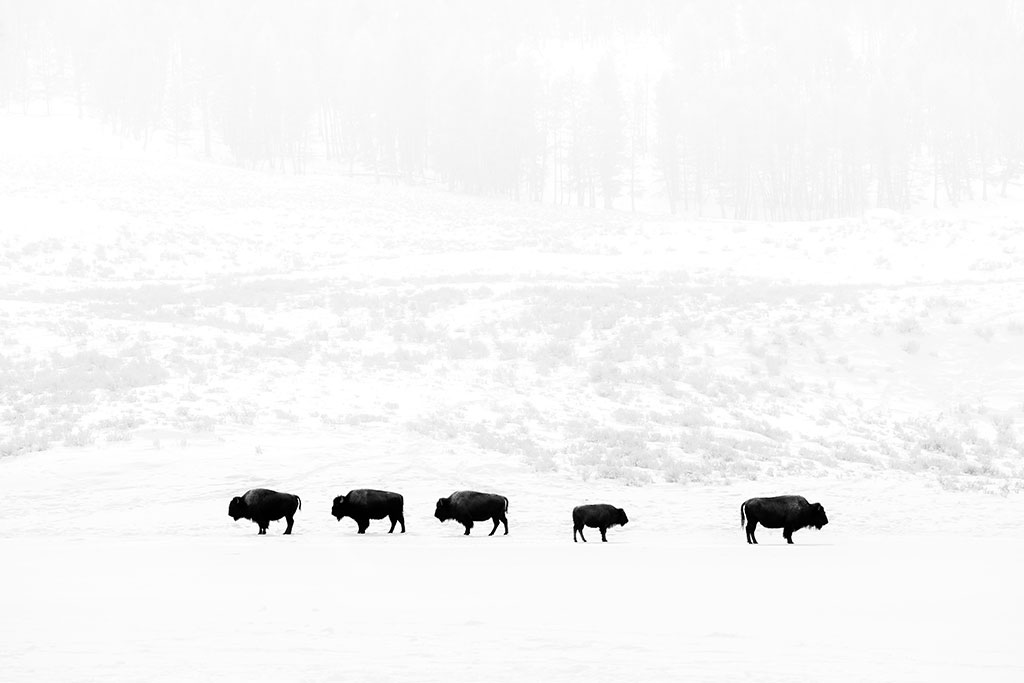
[466,507]
[362,505]
[264,506]
[600,516]
[788,512]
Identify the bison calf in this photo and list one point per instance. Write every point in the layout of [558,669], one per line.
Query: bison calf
[362,505]
[264,506]
[788,512]
[466,507]
[600,516]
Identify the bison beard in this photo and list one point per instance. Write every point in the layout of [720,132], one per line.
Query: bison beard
[263,506]
[788,512]
[465,507]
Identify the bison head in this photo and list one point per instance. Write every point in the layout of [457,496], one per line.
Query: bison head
[620,517]
[444,509]
[817,516]
[338,509]
[237,508]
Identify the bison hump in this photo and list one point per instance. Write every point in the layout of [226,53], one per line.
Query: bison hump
[371,497]
[473,497]
[256,496]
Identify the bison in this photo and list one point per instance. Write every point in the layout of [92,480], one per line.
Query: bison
[788,512]
[264,506]
[362,505]
[466,507]
[601,516]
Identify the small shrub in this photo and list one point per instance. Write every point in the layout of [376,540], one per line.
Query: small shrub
[908,325]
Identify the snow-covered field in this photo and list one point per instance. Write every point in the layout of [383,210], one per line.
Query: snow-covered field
[173,333]
[124,565]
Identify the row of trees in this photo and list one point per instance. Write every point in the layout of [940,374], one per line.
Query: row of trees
[792,110]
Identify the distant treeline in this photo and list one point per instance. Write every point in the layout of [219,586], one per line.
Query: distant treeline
[762,110]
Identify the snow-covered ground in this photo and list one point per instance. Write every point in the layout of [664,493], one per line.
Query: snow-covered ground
[123,565]
[174,332]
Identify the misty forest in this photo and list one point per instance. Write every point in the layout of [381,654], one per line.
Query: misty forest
[788,111]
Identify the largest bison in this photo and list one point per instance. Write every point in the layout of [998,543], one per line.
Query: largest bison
[264,506]
[789,513]
[466,507]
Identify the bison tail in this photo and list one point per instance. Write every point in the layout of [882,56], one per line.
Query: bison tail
[743,518]
[506,503]
[299,501]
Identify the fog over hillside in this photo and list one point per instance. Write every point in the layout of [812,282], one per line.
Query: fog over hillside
[665,256]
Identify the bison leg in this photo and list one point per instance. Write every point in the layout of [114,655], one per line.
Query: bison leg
[395,520]
[787,534]
[499,519]
[364,524]
[290,520]
[469,525]
[579,529]
[603,530]
[751,525]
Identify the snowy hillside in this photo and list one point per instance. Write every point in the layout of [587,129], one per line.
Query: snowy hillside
[175,332]
[154,301]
